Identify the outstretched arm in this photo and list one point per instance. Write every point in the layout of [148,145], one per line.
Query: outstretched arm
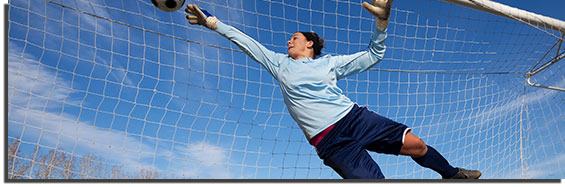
[347,65]
[381,10]
[269,59]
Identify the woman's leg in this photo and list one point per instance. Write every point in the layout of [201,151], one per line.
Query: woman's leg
[352,162]
[413,146]
[426,156]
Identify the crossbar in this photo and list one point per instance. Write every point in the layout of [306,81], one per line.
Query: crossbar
[512,13]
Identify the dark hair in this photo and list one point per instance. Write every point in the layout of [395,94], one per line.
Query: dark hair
[318,42]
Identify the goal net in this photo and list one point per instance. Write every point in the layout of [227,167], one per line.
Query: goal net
[118,89]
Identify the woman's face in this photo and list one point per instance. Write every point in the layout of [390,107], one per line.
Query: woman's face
[299,47]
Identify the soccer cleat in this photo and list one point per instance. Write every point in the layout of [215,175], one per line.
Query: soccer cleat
[466,174]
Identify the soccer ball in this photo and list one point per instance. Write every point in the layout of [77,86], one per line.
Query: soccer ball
[168,5]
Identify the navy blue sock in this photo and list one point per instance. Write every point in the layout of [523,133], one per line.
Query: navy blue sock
[433,160]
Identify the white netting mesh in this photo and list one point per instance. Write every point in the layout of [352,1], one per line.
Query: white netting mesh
[119,89]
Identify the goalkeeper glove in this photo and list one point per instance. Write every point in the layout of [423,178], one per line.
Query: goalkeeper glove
[381,10]
[200,17]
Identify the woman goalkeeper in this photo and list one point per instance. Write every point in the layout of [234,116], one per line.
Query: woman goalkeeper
[339,129]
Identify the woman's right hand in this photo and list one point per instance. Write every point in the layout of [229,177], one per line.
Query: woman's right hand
[198,17]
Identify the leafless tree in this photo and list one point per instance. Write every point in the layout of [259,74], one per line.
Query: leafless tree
[51,165]
[67,164]
[146,174]
[57,164]
[116,172]
[16,167]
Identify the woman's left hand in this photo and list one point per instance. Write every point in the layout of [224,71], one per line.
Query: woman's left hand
[381,10]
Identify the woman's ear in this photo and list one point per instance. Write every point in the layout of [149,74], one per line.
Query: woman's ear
[310,44]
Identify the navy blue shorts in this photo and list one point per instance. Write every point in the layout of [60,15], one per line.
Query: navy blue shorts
[345,147]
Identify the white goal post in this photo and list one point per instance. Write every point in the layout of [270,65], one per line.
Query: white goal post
[512,13]
[526,17]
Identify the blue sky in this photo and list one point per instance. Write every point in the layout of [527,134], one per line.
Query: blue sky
[189,104]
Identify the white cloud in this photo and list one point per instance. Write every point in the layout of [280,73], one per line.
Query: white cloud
[209,155]
[31,87]
[203,161]
[545,169]
[512,103]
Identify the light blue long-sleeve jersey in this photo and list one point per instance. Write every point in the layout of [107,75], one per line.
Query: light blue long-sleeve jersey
[309,86]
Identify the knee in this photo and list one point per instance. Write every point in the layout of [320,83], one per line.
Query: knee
[414,146]
[420,149]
